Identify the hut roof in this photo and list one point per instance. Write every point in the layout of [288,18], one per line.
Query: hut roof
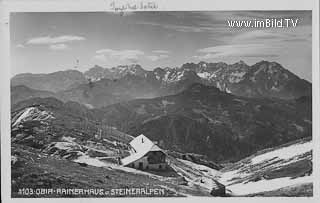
[142,145]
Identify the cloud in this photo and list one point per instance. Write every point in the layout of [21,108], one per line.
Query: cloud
[20,46]
[158,55]
[213,21]
[239,50]
[58,47]
[262,43]
[179,28]
[100,57]
[161,51]
[192,22]
[272,35]
[130,55]
[156,58]
[54,40]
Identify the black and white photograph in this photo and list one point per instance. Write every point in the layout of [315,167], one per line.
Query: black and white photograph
[156,103]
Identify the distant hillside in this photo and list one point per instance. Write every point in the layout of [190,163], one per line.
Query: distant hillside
[106,91]
[21,92]
[204,120]
[53,82]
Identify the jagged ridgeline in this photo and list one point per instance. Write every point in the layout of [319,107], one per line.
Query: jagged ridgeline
[100,87]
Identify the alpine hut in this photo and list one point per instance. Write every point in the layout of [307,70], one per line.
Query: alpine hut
[145,155]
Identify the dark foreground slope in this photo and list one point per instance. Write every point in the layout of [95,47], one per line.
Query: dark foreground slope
[34,170]
[62,145]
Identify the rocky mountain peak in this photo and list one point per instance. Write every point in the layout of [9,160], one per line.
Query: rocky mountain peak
[189,66]
[273,70]
[201,89]
[97,67]
[133,69]
[240,63]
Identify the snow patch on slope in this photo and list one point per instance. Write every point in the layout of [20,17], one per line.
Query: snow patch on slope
[205,169]
[90,161]
[173,75]
[204,75]
[236,77]
[98,163]
[32,113]
[68,139]
[268,185]
[251,175]
[166,102]
[284,153]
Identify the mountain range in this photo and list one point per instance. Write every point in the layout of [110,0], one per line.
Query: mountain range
[100,86]
[225,112]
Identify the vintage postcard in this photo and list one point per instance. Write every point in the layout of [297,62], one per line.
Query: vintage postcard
[141,99]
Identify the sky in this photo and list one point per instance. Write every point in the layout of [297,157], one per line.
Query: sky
[49,42]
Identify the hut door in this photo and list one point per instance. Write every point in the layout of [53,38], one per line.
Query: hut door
[140,165]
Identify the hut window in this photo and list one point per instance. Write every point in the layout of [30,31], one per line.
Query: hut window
[140,165]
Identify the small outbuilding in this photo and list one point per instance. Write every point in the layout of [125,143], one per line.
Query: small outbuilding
[145,155]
